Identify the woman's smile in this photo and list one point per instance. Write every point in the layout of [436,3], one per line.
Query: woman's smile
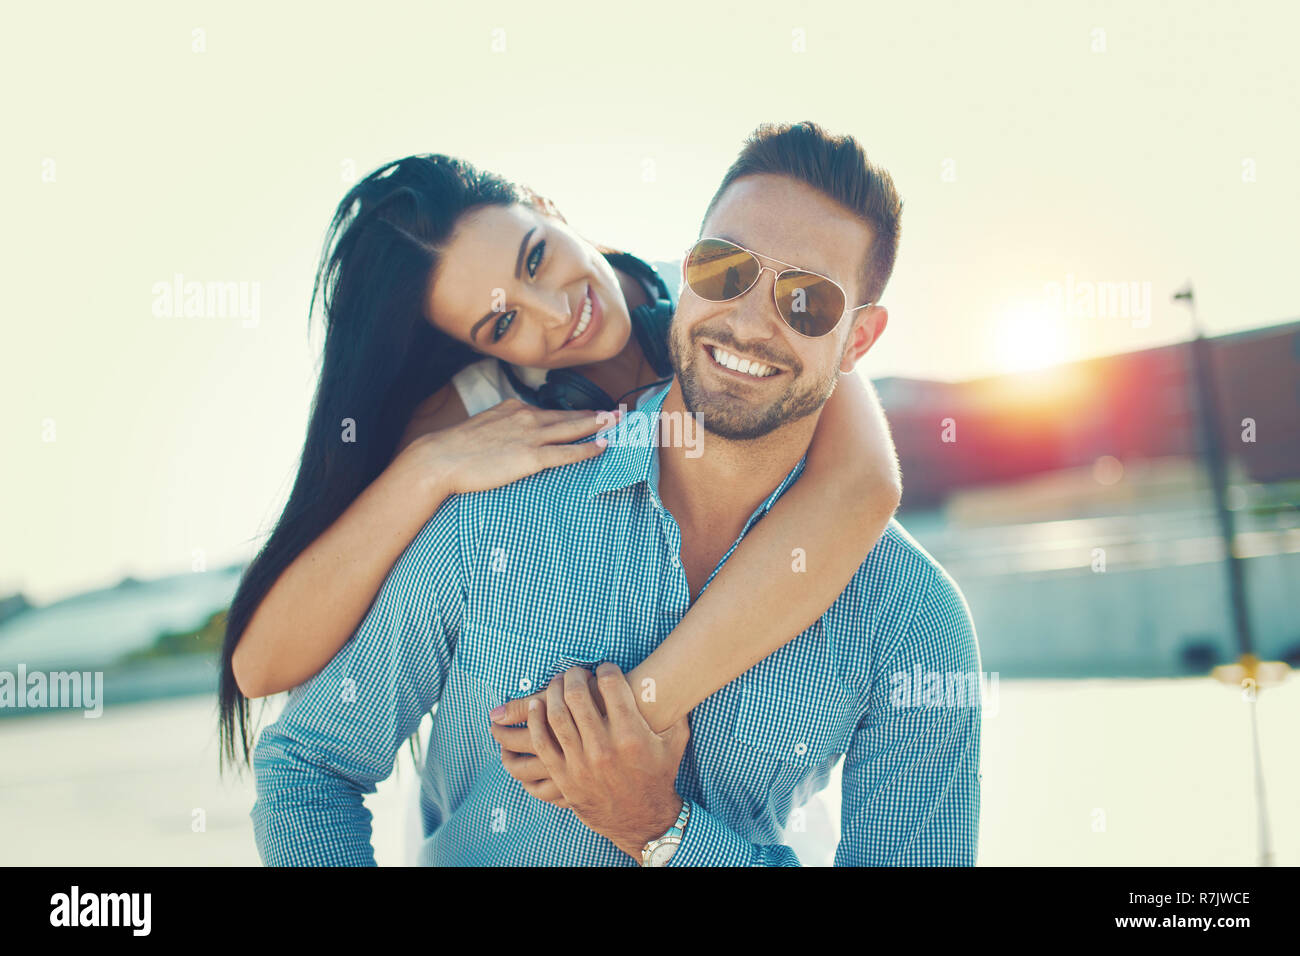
[590,320]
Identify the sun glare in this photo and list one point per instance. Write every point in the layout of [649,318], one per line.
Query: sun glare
[1028,337]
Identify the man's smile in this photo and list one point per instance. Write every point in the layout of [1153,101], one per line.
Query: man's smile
[740,365]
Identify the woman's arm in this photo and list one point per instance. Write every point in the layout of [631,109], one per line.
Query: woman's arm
[835,512]
[322,597]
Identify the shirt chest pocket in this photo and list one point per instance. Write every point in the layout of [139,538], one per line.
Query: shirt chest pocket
[507,664]
[795,711]
[791,732]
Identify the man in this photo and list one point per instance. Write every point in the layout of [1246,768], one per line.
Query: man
[597,562]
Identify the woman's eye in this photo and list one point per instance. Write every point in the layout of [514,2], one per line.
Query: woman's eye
[535,258]
[502,326]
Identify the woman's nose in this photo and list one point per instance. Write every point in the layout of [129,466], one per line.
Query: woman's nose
[552,308]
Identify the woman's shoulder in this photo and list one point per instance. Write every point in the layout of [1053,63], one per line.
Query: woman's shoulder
[482,370]
[479,385]
[482,385]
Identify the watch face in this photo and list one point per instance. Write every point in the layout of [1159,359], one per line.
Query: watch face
[662,853]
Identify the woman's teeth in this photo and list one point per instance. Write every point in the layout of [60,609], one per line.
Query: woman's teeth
[744,366]
[583,320]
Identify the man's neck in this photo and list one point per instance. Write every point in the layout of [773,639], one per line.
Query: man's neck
[713,493]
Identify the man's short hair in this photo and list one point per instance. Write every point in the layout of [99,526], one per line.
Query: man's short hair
[837,167]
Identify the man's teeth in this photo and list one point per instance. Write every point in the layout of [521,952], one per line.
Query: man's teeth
[748,367]
[583,320]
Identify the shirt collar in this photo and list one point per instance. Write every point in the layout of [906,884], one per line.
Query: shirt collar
[633,456]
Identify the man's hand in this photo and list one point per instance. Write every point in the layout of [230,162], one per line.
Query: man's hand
[517,745]
[612,770]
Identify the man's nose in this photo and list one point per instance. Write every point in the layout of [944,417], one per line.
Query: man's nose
[753,315]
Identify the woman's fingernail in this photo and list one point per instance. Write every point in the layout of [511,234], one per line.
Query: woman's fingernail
[602,441]
[496,713]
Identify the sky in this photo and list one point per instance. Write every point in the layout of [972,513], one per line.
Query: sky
[1050,157]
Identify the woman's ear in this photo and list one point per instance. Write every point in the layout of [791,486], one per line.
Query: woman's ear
[868,326]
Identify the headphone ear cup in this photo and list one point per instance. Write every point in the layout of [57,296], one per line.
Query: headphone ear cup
[568,390]
[651,323]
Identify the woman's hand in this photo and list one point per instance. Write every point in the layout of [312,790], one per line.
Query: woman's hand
[509,441]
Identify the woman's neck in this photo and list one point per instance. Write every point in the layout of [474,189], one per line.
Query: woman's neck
[628,369]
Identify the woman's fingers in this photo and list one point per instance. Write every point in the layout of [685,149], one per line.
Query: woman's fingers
[546,790]
[524,767]
[516,739]
[533,777]
[510,441]
[513,711]
[574,428]
[549,417]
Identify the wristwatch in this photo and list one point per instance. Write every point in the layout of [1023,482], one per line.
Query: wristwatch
[659,851]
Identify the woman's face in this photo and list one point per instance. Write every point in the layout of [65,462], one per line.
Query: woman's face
[524,287]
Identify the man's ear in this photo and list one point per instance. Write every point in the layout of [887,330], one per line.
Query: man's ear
[868,326]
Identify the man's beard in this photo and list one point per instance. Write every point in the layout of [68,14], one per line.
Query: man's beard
[733,416]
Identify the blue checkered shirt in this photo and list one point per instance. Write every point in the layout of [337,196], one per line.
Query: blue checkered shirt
[580,564]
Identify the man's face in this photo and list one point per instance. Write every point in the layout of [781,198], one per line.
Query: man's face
[783,218]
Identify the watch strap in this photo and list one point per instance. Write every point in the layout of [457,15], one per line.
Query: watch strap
[674,834]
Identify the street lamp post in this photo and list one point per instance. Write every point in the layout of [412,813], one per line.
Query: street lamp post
[1248,671]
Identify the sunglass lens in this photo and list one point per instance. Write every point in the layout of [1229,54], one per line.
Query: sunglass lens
[811,304]
[716,270]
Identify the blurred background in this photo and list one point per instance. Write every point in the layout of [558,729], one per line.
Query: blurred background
[1092,364]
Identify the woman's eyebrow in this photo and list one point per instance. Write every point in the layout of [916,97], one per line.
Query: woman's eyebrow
[523,246]
[473,333]
[519,264]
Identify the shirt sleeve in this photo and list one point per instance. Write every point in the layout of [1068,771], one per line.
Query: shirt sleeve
[708,841]
[339,734]
[911,791]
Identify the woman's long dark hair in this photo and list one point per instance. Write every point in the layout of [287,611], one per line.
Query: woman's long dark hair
[382,357]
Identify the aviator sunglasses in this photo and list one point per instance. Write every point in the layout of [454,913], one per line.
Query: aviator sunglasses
[719,270]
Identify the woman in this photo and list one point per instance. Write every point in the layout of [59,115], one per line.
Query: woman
[429,265]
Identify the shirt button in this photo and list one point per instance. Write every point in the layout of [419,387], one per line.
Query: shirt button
[525,684]
[677,562]
[801,748]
